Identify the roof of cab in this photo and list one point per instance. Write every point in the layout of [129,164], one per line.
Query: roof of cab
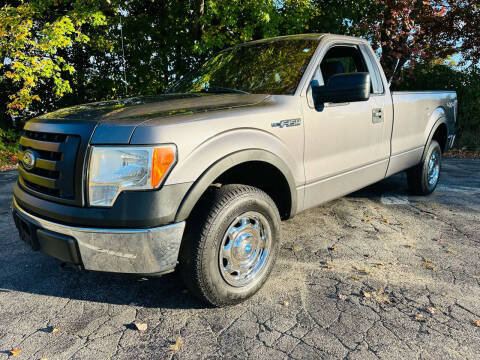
[304,37]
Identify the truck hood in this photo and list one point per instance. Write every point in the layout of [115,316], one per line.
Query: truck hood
[114,122]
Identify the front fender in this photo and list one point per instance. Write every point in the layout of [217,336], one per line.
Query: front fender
[191,166]
[227,162]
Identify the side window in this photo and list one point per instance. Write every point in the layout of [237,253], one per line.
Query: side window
[340,60]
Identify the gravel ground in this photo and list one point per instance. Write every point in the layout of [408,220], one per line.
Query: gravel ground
[377,274]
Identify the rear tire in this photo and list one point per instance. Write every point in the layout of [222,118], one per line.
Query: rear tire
[231,245]
[423,178]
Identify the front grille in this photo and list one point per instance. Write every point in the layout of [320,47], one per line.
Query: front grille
[54,169]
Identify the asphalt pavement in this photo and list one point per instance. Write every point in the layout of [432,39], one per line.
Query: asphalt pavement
[378,274]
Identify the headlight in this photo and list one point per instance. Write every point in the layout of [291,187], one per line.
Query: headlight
[115,169]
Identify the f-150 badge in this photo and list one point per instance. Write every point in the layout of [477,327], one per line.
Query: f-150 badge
[287,123]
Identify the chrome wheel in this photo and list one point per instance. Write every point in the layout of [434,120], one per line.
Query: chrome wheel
[245,249]
[433,169]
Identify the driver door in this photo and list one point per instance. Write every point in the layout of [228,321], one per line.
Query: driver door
[344,143]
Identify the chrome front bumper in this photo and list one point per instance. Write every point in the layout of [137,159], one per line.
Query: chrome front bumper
[135,251]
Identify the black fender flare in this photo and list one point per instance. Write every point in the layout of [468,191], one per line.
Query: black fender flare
[218,168]
[438,123]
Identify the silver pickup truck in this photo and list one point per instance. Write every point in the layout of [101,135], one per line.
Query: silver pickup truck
[201,176]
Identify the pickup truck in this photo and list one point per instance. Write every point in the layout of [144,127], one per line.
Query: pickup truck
[202,176]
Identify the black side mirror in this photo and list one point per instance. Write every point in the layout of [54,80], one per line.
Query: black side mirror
[343,88]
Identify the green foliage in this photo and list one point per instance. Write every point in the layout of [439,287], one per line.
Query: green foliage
[8,147]
[31,38]
[467,85]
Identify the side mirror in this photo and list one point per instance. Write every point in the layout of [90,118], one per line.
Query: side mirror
[343,88]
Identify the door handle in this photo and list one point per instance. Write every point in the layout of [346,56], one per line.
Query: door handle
[377,116]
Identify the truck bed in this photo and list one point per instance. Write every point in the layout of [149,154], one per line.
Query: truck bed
[415,114]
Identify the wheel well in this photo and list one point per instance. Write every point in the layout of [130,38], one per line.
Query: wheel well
[441,135]
[263,176]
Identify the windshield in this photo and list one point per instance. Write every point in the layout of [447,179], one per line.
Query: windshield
[264,68]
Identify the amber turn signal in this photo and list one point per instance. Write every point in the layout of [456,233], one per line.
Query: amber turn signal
[163,158]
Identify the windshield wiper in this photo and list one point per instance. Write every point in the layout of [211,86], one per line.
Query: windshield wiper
[220,90]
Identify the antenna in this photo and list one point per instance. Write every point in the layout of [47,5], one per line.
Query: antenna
[393,74]
[123,55]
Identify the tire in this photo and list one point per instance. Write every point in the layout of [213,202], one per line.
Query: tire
[423,178]
[231,225]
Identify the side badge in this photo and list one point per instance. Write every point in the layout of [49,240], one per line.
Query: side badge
[287,123]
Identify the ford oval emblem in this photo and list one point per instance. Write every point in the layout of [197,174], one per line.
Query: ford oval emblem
[29,160]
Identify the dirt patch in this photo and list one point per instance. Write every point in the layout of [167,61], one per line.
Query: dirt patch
[462,154]
[8,167]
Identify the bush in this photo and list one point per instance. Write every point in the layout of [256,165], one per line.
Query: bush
[467,85]
[8,147]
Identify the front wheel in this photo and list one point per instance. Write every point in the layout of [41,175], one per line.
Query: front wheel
[423,178]
[231,245]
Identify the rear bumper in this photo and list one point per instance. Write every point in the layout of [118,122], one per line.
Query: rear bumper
[134,251]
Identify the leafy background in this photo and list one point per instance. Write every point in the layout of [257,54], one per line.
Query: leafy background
[57,53]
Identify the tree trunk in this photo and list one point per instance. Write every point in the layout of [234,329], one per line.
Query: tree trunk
[197,26]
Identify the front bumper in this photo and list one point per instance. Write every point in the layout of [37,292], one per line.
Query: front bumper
[134,251]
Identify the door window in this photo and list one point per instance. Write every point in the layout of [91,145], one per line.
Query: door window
[340,60]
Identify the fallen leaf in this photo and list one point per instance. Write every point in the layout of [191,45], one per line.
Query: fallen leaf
[380,264]
[15,352]
[380,297]
[53,331]
[476,323]
[176,347]
[367,255]
[454,230]
[356,278]
[385,220]
[362,271]
[366,294]
[440,240]
[286,303]
[419,317]
[141,326]
[410,246]
[450,251]
[431,310]
[428,264]
[367,219]
[326,265]
[342,297]
[333,248]
[422,213]
[294,249]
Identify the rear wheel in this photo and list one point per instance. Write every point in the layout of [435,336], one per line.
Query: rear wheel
[423,178]
[231,245]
